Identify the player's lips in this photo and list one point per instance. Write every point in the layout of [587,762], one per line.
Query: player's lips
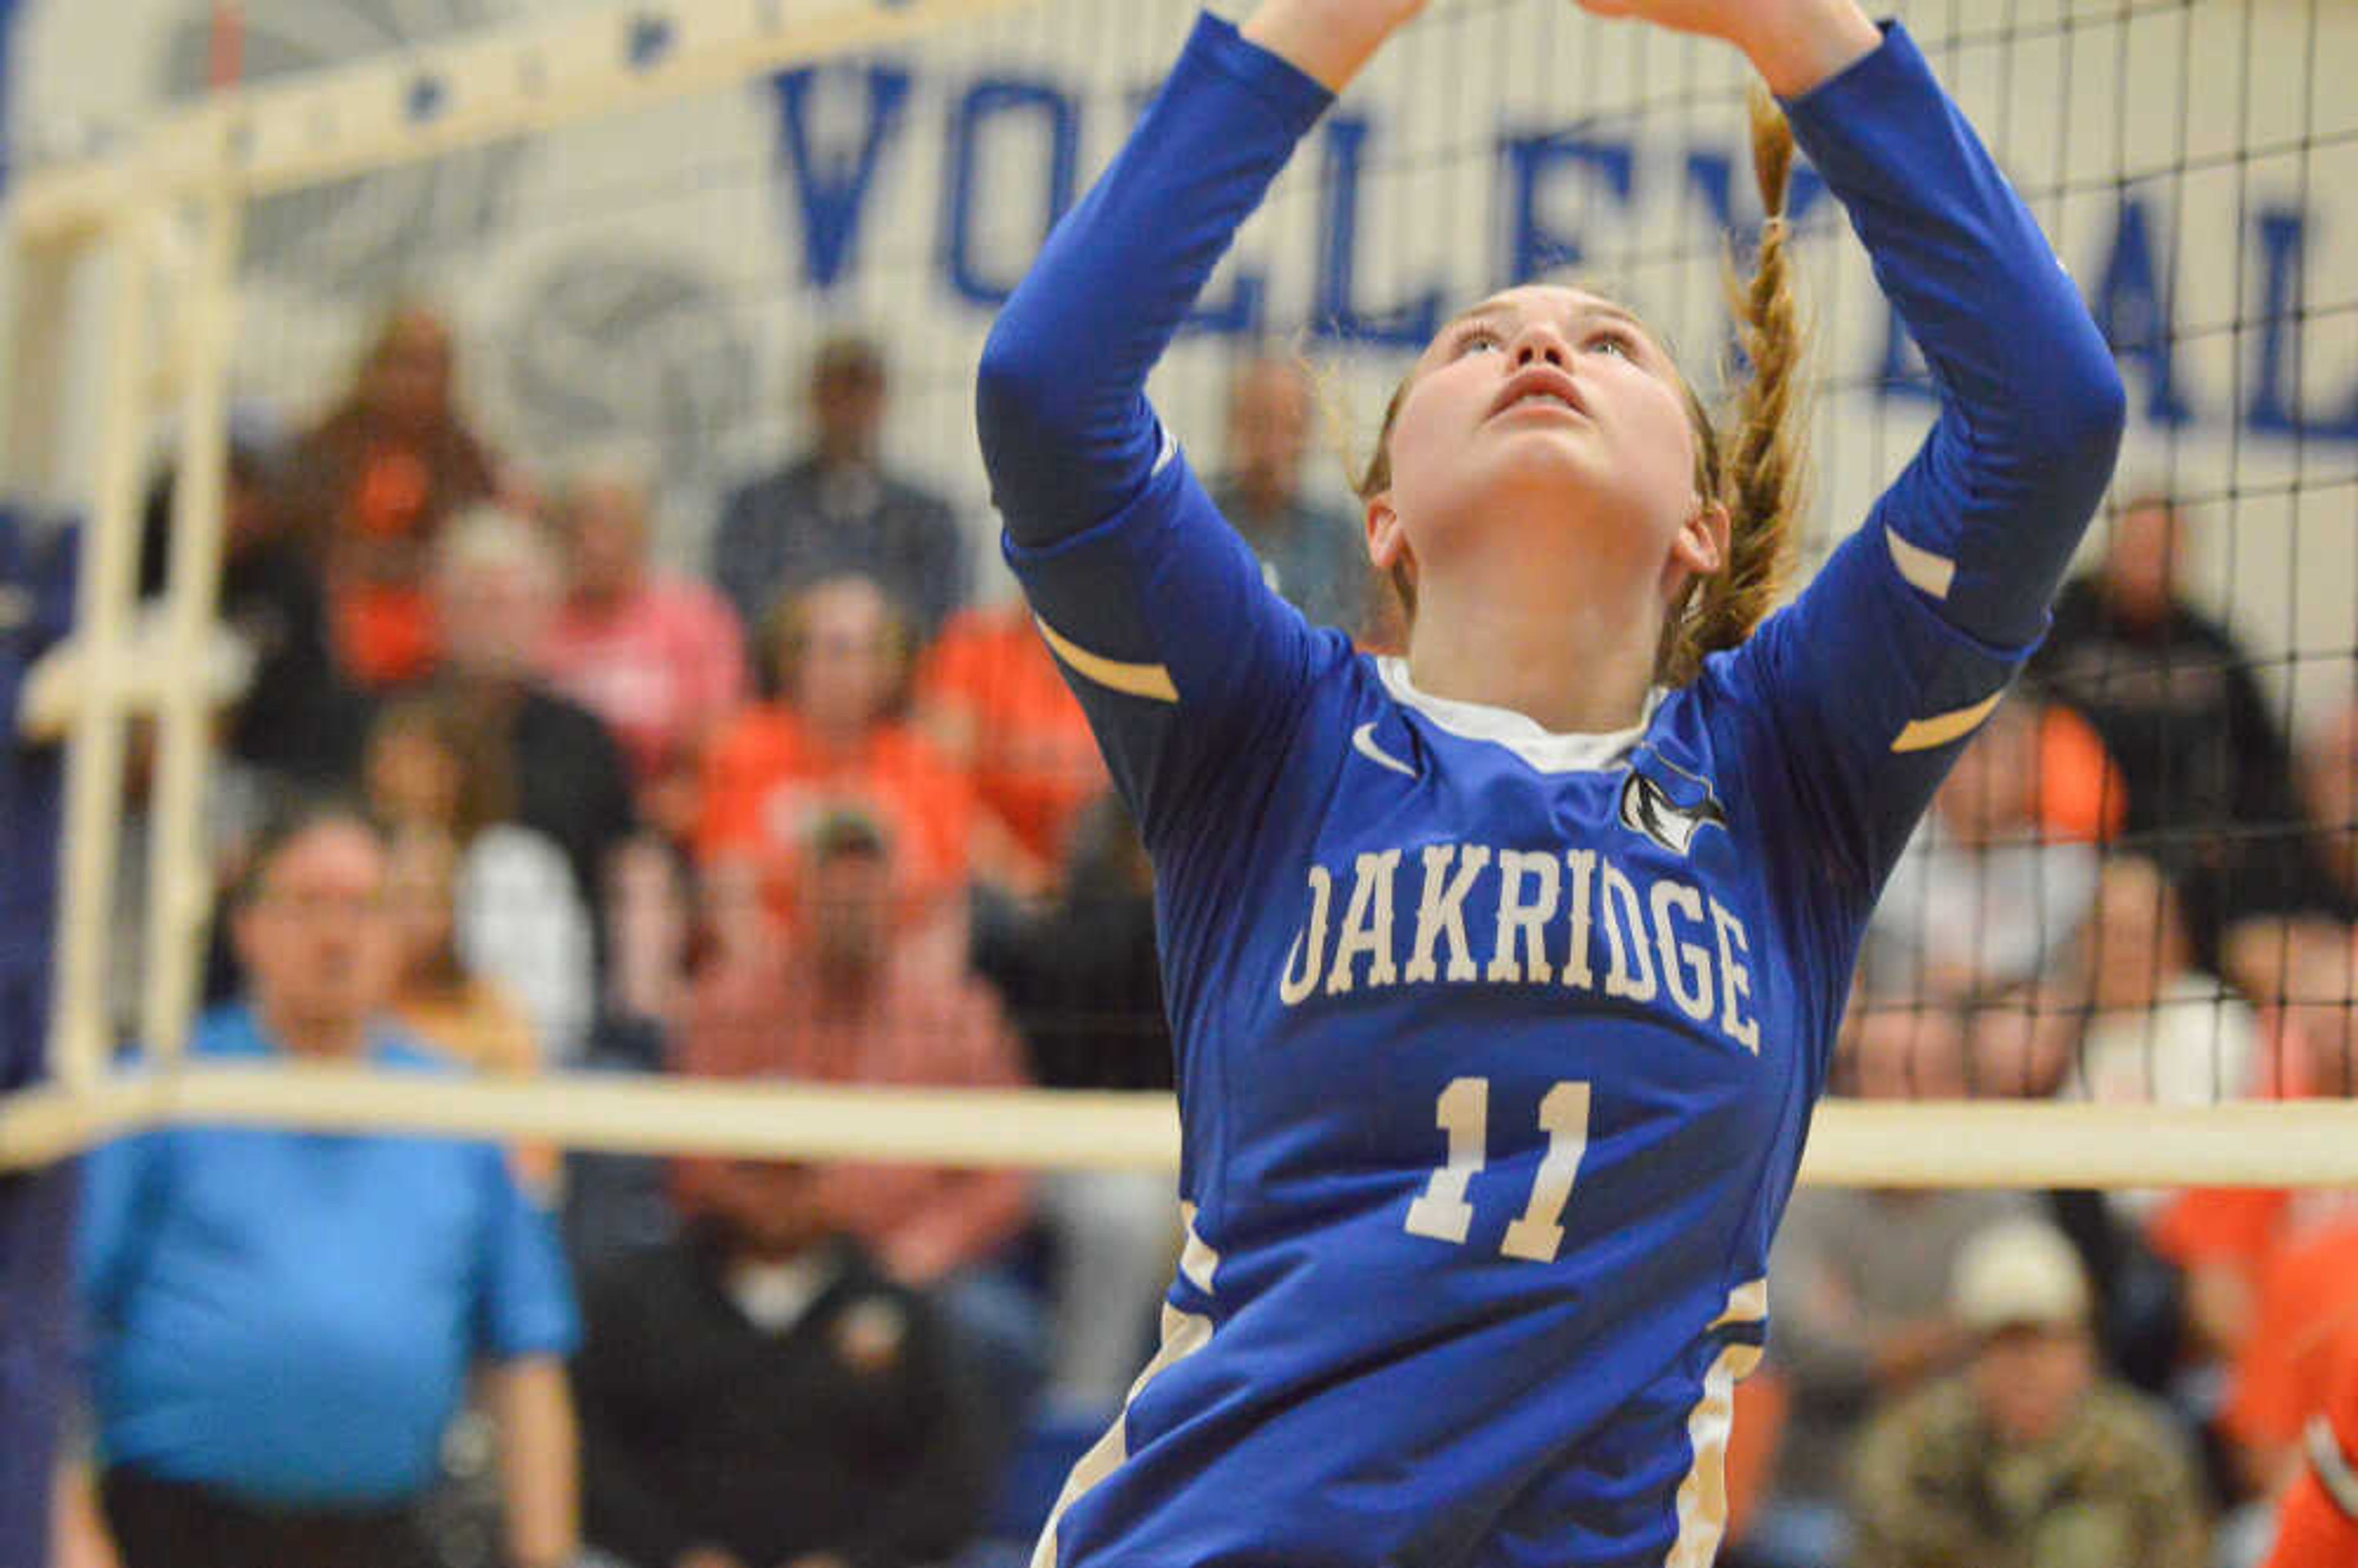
[1540,386]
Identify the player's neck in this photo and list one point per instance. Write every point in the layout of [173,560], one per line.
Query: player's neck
[314,1036]
[1572,667]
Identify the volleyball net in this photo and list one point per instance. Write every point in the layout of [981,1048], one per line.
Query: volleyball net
[643,224]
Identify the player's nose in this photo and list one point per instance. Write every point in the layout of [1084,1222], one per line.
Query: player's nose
[1540,342]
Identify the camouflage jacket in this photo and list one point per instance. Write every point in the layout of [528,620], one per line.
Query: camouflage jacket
[2115,1488]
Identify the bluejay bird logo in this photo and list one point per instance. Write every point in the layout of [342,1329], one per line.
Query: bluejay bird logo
[1668,804]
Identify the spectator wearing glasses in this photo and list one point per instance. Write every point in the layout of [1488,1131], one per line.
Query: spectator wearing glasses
[283,1322]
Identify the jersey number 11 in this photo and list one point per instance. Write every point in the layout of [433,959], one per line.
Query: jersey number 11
[1442,1212]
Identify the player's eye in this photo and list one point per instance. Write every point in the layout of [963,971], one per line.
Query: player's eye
[1611,342]
[1475,340]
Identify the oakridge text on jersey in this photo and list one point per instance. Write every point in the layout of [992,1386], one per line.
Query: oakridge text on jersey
[1701,966]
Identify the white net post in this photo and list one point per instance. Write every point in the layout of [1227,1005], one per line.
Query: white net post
[102,614]
[181,888]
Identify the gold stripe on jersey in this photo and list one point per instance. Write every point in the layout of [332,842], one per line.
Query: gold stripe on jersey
[1132,680]
[1942,728]
[1933,574]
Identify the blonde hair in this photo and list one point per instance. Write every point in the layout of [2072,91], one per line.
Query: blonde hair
[1752,463]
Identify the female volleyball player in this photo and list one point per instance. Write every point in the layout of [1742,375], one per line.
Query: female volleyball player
[1504,976]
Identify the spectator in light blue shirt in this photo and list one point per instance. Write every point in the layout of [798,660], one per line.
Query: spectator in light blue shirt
[281,1323]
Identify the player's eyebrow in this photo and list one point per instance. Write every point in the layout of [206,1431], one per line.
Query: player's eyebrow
[1499,305]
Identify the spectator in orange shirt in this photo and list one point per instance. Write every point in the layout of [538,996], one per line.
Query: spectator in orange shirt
[2318,1524]
[988,695]
[2235,1249]
[841,656]
[374,483]
[853,999]
[659,657]
[2306,1291]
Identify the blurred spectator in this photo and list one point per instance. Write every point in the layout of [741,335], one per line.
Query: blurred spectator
[281,1323]
[2029,1458]
[2206,766]
[659,657]
[1967,974]
[2304,974]
[2323,1003]
[2279,1376]
[2318,1524]
[1315,556]
[440,998]
[854,1000]
[1081,975]
[840,510]
[655,936]
[2328,777]
[2226,1241]
[842,659]
[373,484]
[1083,981]
[300,719]
[496,597]
[2158,1030]
[519,922]
[990,695]
[2232,1248]
[1861,1280]
[434,995]
[755,1394]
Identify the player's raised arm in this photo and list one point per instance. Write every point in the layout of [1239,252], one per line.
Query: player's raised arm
[1066,429]
[1156,610]
[2032,406]
[1978,530]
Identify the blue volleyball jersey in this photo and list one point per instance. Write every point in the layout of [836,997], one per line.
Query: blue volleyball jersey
[1497,1048]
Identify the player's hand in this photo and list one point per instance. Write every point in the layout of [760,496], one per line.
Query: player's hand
[1794,43]
[1710,18]
[1327,40]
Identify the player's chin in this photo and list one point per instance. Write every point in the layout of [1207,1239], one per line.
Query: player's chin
[1566,459]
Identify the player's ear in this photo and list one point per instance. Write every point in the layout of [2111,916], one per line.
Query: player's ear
[1702,543]
[1386,540]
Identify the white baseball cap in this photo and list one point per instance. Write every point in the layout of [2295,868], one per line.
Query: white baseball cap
[2017,1273]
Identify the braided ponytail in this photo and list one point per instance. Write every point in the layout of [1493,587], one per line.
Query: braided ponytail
[1762,477]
